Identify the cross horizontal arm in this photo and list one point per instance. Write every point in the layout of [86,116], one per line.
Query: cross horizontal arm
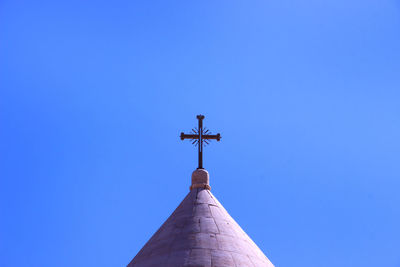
[189,136]
[212,136]
[204,136]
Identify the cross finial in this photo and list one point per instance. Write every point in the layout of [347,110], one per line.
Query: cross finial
[200,135]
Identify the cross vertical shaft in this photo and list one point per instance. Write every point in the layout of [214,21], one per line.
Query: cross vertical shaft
[200,118]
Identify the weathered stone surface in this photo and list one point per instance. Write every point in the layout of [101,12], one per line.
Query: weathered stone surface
[221,258]
[200,233]
[199,257]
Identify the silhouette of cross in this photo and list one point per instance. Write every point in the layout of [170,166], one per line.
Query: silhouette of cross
[200,135]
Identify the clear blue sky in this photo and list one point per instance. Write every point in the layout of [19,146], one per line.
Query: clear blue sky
[93,96]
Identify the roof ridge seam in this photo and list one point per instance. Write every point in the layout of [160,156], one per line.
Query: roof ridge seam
[215,222]
[233,260]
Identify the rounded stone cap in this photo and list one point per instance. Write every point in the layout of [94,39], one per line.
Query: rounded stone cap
[200,179]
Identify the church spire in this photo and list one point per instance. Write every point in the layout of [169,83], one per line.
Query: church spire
[200,232]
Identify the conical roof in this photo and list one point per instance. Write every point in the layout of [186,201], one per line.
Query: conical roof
[200,233]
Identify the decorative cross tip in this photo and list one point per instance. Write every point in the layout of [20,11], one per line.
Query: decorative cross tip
[200,136]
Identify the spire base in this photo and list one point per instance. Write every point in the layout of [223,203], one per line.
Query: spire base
[200,179]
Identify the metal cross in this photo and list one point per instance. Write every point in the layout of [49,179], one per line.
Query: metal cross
[200,135]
